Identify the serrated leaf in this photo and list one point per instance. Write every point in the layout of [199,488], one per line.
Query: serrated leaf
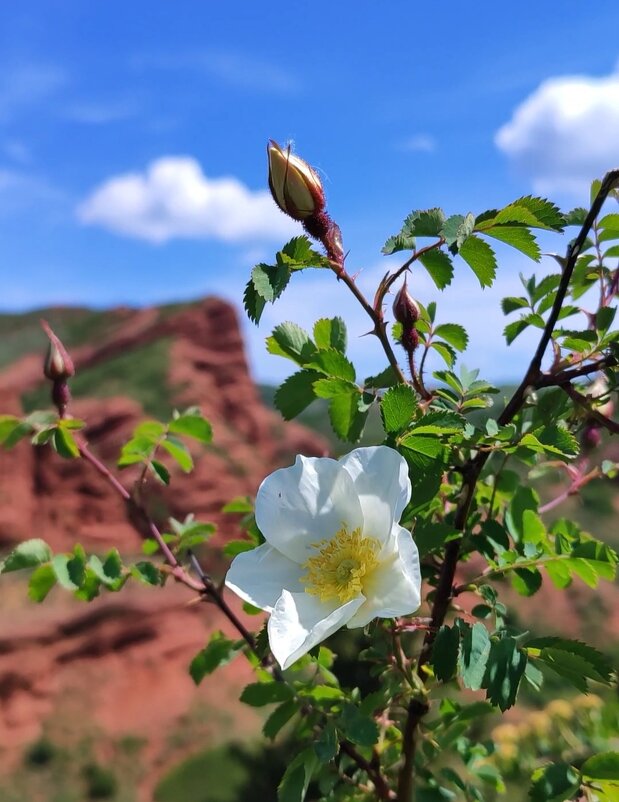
[557,780]
[603,766]
[474,654]
[297,777]
[258,694]
[218,652]
[254,304]
[179,453]
[329,388]
[346,415]
[279,718]
[518,237]
[292,342]
[327,744]
[28,554]
[357,727]
[504,671]
[397,243]
[234,547]
[64,443]
[523,499]
[526,581]
[296,393]
[532,211]
[572,659]
[299,254]
[194,426]
[387,378]
[426,223]
[270,280]
[457,228]
[397,407]
[438,423]
[446,352]
[331,333]
[445,652]
[333,363]
[41,581]
[454,334]
[439,267]
[512,303]
[147,573]
[160,471]
[480,258]
[512,330]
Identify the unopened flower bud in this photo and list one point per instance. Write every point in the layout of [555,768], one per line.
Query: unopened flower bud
[295,186]
[406,311]
[58,365]
[591,437]
[405,308]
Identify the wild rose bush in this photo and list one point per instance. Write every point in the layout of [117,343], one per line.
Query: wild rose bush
[397,541]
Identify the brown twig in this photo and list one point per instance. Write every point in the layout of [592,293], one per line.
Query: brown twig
[592,413]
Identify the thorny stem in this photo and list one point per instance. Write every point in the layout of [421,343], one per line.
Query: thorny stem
[571,490]
[471,473]
[377,319]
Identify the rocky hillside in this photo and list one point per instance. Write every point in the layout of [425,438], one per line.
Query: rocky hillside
[110,656]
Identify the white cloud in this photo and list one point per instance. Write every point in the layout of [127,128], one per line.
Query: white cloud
[173,198]
[566,133]
[423,143]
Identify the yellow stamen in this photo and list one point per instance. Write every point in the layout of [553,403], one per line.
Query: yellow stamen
[338,570]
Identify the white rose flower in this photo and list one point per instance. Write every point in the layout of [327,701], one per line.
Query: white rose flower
[335,552]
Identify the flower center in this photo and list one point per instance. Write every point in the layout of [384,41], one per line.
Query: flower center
[337,571]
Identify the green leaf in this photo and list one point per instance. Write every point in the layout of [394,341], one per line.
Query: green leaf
[552,781]
[512,303]
[445,652]
[526,581]
[219,652]
[179,453]
[454,334]
[333,363]
[534,212]
[330,388]
[297,777]
[504,670]
[439,266]
[296,393]
[8,424]
[480,258]
[327,745]
[387,378]
[474,654]
[234,547]
[28,554]
[348,415]
[446,352]
[42,580]
[69,570]
[400,242]
[603,766]
[160,471]
[279,718]
[556,653]
[64,443]
[523,499]
[515,328]
[148,573]
[194,426]
[292,342]
[331,333]
[438,423]
[397,407]
[427,223]
[258,694]
[298,254]
[457,228]
[518,237]
[357,727]
[270,280]
[254,304]
[430,537]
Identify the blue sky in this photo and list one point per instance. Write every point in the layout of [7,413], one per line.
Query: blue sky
[132,137]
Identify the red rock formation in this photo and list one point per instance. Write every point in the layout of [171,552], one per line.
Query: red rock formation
[120,648]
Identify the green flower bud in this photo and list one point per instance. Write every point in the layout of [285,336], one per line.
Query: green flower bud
[294,185]
[58,365]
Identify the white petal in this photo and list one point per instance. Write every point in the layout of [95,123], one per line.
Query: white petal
[306,503]
[381,480]
[394,588]
[260,575]
[300,621]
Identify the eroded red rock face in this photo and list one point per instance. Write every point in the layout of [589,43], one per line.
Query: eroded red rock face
[117,649]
